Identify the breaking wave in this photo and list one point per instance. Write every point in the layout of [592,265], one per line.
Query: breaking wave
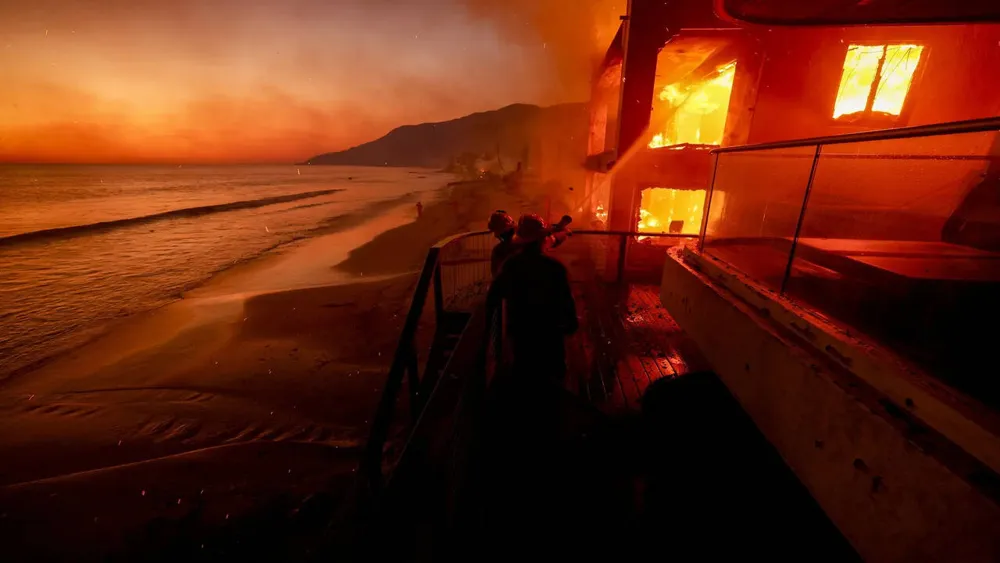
[79,230]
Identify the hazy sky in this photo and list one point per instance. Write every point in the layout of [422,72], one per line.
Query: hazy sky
[273,80]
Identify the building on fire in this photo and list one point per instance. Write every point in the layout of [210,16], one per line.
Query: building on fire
[844,280]
[800,200]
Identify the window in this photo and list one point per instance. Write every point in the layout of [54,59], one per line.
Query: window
[876,80]
[699,110]
[666,210]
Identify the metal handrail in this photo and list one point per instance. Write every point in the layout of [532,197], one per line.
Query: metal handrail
[404,358]
[954,127]
[371,463]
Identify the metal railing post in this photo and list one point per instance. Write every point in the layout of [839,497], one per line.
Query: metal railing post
[798,225]
[413,381]
[438,296]
[622,248]
[371,462]
[708,204]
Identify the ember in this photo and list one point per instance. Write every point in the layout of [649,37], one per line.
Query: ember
[699,111]
[876,79]
[665,210]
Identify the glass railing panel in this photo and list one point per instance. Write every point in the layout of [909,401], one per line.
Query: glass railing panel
[900,241]
[754,209]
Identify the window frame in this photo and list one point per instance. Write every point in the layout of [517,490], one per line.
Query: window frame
[704,71]
[868,117]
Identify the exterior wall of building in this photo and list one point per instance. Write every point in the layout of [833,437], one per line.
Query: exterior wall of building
[800,76]
[852,443]
[903,190]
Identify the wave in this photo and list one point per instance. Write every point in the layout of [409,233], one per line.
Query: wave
[79,230]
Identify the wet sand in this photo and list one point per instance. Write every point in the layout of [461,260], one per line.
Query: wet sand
[241,406]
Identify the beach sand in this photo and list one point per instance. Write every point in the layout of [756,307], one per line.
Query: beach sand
[227,423]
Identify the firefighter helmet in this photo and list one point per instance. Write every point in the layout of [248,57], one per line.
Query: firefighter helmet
[531,228]
[500,222]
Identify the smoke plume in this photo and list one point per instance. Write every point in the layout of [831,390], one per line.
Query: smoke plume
[572,35]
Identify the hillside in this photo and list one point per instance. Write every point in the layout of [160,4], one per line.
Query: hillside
[517,130]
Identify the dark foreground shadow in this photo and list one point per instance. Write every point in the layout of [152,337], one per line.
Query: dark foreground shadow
[690,478]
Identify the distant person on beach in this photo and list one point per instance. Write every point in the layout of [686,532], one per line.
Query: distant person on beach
[501,224]
[420,210]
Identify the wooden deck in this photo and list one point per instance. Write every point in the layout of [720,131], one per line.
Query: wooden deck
[626,341]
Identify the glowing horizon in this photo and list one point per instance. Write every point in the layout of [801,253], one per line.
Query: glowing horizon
[222,81]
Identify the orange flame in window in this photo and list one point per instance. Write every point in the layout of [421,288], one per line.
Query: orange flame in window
[700,111]
[665,210]
[876,79]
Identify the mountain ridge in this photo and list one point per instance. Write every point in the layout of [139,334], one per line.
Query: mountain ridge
[513,131]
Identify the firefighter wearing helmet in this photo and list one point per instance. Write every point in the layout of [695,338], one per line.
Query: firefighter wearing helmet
[501,224]
[533,289]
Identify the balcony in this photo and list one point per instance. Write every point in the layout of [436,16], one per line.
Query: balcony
[893,237]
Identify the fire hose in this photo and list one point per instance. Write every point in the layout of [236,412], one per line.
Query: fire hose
[560,232]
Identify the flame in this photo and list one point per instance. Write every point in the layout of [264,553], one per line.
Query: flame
[700,111]
[876,78]
[601,214]
[665,210]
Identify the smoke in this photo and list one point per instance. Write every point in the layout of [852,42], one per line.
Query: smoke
[571,36]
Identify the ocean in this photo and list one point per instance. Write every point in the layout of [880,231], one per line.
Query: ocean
[81,246]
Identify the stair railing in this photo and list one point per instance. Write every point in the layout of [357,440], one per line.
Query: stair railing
[458,270]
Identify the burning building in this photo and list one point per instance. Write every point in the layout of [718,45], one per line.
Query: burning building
[843,182]
[831,194]
[699,83]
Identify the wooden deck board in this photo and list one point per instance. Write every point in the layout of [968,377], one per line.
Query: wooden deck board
[626,341]
[600,332]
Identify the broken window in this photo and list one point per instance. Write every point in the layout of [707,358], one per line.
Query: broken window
[666,210]
[697,112]
[876,80]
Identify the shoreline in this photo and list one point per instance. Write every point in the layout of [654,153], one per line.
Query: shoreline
[247,362]
[331,226]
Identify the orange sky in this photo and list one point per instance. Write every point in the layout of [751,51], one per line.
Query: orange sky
[273,81]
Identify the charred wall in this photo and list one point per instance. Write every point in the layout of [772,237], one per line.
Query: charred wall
[957,77]
[903,190]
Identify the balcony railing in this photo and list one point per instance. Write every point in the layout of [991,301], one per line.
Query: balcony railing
[455,277]
[892,234]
